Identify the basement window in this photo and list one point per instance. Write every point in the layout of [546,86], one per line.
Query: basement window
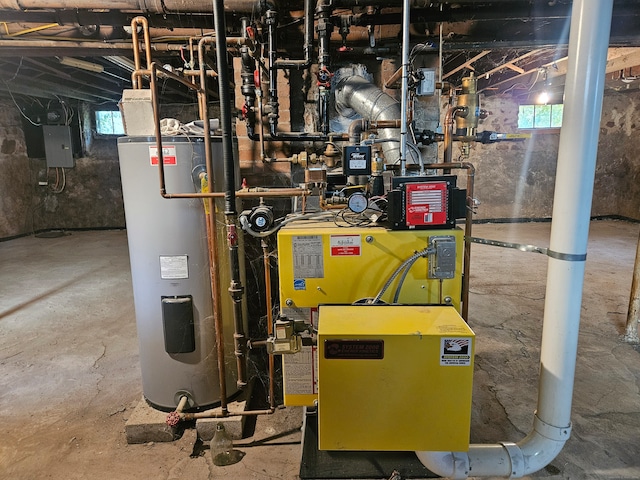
[109,122]
[540,116]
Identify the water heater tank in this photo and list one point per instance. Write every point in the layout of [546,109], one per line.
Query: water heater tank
[170,272]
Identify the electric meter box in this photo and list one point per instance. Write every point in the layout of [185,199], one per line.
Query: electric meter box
[394,378]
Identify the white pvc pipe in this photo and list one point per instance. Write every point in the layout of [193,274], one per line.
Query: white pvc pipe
[406,24]
[588,43]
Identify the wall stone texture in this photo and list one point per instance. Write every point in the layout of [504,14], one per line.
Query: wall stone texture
[16,188]
[517,179]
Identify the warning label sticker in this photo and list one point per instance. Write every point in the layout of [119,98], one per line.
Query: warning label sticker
[345,245]
[168,155]
[308,257]
[455,352]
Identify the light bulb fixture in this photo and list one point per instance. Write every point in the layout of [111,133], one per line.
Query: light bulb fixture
[543,98]
[82,64]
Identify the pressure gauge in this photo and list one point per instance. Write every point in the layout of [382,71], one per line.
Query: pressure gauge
[358,202]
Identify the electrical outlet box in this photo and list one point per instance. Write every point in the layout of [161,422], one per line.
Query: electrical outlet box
[427,84]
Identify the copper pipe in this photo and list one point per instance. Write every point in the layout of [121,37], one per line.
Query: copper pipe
[267,287]
[155,68]
[275,193]
[196,73]
[471,172]
[362,125]
[136,45]
[216,297]
[393,78]
[212,236]
[219,414]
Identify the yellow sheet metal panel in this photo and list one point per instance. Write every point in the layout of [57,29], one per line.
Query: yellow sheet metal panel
[320,263]
[394,378]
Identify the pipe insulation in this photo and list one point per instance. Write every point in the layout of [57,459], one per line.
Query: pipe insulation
[588,44]
[368,101]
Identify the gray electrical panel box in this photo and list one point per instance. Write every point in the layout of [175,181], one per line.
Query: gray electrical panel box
[58,146]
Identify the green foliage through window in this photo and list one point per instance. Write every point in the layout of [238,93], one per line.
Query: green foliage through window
[540,116]
[109,122]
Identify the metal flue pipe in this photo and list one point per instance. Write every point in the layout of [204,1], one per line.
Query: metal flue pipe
[589,39]
[366,99]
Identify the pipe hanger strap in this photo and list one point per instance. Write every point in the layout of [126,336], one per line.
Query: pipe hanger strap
[569,257]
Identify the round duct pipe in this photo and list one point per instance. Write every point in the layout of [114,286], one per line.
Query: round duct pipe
[355,94]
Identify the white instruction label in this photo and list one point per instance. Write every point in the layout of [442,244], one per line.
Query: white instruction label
[308,259]
[174,267]
[300,372]
[455,352]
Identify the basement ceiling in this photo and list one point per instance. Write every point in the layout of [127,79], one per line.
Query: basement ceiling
[511,46]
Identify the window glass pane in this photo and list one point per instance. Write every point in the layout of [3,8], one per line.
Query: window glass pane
[525,116]
[109,122]
[556,115]
[542,116]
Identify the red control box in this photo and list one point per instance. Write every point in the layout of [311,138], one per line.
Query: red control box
[426,204]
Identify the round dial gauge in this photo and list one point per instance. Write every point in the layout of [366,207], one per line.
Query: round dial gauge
[358,202]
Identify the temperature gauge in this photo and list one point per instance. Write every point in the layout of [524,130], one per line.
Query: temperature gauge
[358,202]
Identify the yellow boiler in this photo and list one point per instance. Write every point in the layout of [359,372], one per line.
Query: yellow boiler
[394,378]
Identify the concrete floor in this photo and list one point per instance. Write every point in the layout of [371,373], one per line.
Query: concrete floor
[70,377]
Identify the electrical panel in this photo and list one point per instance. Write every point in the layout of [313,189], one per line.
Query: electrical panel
[58,146]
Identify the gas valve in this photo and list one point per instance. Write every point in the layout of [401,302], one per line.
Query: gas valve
[286,340]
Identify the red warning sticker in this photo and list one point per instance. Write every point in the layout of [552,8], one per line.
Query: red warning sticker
[168,155]
[345,245]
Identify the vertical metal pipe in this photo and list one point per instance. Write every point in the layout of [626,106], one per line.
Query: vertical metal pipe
[212,239]
[633,316]
[268,293]
[272,23]
[406,24]
[236,290]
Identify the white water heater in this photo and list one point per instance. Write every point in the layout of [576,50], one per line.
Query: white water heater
[170,271]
